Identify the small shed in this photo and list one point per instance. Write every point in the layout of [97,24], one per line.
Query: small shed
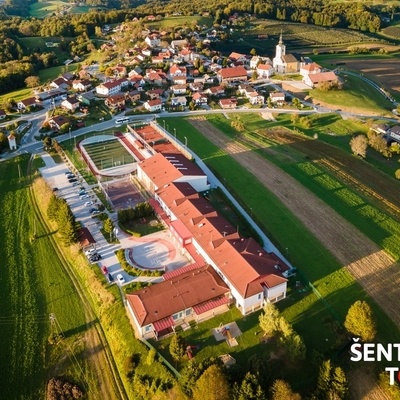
[12,142]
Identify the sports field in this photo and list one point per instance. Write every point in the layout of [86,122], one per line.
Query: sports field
[108,154]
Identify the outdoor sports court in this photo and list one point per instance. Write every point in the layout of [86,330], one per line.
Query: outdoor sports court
[123,194]
[108,153]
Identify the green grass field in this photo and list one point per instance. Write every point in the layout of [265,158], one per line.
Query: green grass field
[33,286]
[108,154]
[45,8]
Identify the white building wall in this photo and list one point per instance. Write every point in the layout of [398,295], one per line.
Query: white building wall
[277,291]
[199,183]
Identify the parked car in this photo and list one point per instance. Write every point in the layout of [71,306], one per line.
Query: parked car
[55,189]
[71,176]
[75,184]
[110,278]
[120,279]
[72,180]
[90,251]
[82,192]
[104,269]
[89,203]
[290,272]
[95,212]
[67,172]
[84,196]
[95,257]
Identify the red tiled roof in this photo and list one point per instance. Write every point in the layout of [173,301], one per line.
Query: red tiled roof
[164,323]
[176,272]
[209,305]
[235,72]
[323,77]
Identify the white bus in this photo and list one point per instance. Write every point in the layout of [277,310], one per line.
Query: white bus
[121,121]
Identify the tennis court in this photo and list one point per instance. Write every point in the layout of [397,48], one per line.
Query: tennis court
[108,153]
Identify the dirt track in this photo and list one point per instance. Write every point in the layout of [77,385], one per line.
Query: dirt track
[375,270]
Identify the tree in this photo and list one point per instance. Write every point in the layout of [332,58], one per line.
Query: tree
[281,390]
[249,389]
[295,347]
[177,347]
[47,142]
[397,174]
[324,378]
[378,143]
[295,118]
[332,382]
[253,52]
[212,385]
[269,319]
[338,384]
[32,81]
[360,321]
[254,75]
[108,226]
[3,141]
[358,145]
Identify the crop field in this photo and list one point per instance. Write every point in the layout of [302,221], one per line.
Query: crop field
[108,154]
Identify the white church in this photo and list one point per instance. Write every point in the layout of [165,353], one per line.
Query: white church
[284,63]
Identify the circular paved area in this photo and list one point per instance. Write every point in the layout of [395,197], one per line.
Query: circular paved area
[155,251]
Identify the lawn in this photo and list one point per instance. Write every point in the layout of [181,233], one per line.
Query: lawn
[17,95]
[48,74]
[38,44]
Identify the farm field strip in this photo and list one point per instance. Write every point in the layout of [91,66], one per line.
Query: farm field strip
[366,262]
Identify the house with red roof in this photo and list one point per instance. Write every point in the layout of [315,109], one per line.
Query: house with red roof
[228,103]
[227,75]
[310,68]
[314,80]
[153,105]
[264,70]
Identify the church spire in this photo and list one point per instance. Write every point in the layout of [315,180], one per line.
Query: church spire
[280,38]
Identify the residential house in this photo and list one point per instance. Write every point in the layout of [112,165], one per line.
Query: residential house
[156,78]
[179,44]
[228,103]
[176,70]
[186,55]
[86,98]
[27,103]
[81,85]
[154,93]
[133,95]
[237,58]
[316,79]
[178,101]
[256,60]
[115,102]
[228,75]
[108,88]
[119,71]
[157,59]
[178,80]
[70,103]
[245,89]
[60,83]
[153,40]
[277,97]
[255,98]
[58,121]
[153,105]
[200,98]
[178,89]
[196,86]
[264,71]
[311,68]
[217,91]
